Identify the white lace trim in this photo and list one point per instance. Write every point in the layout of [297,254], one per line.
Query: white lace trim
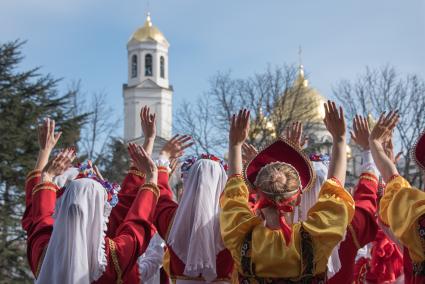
[102,259]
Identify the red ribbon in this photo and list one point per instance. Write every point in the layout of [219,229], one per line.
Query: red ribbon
[282,207]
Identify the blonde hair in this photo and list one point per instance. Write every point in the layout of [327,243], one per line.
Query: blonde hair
[278,181]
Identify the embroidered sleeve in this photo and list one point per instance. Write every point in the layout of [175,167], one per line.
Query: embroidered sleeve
[45,186]
[33,174]
[115,261]
[136,172]
[151,187]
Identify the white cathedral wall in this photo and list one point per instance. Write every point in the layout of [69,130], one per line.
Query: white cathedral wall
[140,93]
[160,102]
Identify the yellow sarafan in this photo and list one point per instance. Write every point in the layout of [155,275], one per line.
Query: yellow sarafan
[326,224]
[400,208]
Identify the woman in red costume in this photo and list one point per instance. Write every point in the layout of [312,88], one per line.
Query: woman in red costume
[70,246]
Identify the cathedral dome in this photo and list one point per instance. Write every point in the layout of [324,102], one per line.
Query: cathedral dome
[148,33]
[301,102]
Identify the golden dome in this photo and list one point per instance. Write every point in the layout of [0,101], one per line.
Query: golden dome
[148,33]
[301,102]
[371,121]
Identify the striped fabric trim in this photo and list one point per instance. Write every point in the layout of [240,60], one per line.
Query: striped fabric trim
[151,187]
[45,186]
[369,177]
[32,174]
[114,256]
[137,173]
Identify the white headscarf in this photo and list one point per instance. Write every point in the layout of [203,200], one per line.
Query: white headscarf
[76,250]
[69,175]
[308,199]
[195,234]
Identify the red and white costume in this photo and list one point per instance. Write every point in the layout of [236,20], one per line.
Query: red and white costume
[63,249]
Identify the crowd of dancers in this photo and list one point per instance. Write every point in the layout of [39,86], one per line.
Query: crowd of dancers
[269,216]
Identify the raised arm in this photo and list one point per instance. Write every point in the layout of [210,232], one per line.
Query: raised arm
[175,147]
[335,123]
[42,209]
[167,207]
[148,122]
[294,134]
[360,135]
[134,233]
[379,133]
[248,152]
[239,129]
[47,139]
[143,161]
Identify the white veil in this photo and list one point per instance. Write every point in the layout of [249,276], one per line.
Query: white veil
[195,234]
[76,250]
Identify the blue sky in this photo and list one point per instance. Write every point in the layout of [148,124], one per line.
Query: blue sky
[86,39]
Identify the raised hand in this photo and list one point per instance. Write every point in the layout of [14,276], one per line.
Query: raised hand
[384,126]
[334,120]
[380,133]
[59,165]
[294,134]
[360,133]
[335,123]
[47,138]
[248,152]
[175,147]
[389,149]
[148,122]
[143,161]
[239,128]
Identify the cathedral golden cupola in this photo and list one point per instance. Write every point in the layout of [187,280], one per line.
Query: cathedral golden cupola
[148,32]
[300,102]
[301,81]
[371,121]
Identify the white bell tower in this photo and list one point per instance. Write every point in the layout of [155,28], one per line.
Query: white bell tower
[147,84]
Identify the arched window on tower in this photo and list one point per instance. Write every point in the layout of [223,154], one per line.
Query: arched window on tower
[134,66]
[148,65]
[162,66]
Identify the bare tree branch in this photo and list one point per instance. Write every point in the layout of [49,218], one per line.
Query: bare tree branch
[276,97]
[384,89]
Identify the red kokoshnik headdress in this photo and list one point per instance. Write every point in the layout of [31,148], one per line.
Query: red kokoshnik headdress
[283,151]
[418,151]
